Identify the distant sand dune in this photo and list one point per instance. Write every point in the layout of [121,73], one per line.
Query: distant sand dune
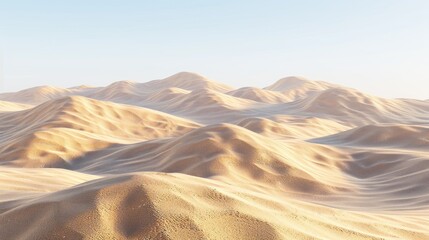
[11,106]
[98,117]
[383,136]
[259,95]
[188,81]
[36,95]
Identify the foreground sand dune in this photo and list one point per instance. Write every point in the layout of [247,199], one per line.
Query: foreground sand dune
[175,206]
[186,157]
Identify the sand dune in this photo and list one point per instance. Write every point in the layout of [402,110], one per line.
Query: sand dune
[383,136]
[122,92]
[58,131]
[164,206]
[297,87]
[351,106]
[186,157]
[40,180]
[166,94]
[49,148]
[105,118]
[212,99]
[281,126]
[217,107]
[228,152]
[259,95]
[188,81]
[35,95]
[11,106]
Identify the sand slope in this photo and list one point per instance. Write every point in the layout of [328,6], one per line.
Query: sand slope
[298,87]
[350,105]
[165,206]
[188,81]
[35,95]
[186,157]
[11,106]
[259,95]
[383,136]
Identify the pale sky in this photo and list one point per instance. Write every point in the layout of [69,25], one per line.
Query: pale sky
[377,46]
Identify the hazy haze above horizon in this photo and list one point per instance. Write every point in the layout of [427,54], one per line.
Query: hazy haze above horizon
[379,47]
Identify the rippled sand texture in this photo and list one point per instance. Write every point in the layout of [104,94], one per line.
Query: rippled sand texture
[186,157]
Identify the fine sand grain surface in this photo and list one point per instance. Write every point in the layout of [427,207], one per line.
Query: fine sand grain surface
[186,157]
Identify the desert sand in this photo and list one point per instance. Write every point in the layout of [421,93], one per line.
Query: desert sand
[186,157]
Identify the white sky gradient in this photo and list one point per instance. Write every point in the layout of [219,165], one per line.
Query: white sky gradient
[380,47]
